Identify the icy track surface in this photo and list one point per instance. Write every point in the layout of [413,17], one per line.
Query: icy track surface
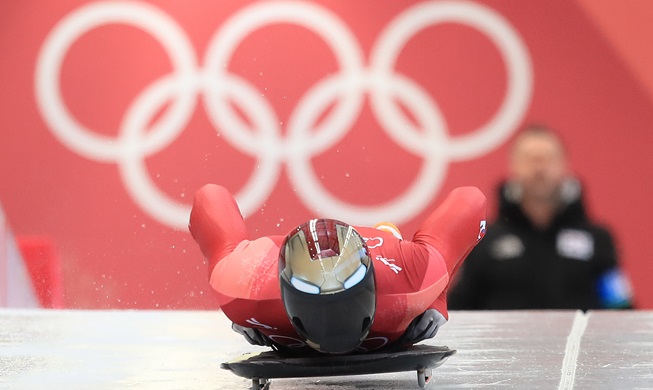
[42,349]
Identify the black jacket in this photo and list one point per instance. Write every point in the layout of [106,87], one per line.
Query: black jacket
[570,265]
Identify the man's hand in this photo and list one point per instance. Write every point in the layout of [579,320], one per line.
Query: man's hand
[424,326]
[253,336]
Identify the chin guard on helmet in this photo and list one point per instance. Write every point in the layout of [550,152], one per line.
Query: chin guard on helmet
[327,285]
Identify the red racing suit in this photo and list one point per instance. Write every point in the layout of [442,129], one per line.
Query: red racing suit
[411,275]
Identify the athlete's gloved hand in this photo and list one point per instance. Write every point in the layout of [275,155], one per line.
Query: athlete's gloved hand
[424,326]
[253,336]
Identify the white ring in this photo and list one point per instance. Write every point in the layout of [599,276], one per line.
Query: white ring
[409,203]
[50,101]
[495,27]
[223,44]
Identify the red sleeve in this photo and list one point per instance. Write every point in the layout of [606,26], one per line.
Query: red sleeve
[454,227]
[216,223]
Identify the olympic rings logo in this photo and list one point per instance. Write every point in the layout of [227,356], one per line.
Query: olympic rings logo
[262,137]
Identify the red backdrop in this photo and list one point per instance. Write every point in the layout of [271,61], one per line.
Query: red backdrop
[114,113]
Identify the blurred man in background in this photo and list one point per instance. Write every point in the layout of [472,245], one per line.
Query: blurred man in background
[543,251]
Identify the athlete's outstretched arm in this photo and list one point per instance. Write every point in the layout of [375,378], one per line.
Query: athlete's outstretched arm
[216,223]
[452,230]
[454,227]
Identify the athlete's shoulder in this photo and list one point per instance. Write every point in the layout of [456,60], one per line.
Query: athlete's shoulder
[262,248]
[472,196]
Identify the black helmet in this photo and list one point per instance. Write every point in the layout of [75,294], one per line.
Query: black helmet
[327,285]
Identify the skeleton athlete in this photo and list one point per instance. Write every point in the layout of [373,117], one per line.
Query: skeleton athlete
[332,287]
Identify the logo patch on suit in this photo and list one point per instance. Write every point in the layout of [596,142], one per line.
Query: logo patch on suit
[373,242]
[575,244]
[614,289]
[506,247]
[390,263]
[481,232]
